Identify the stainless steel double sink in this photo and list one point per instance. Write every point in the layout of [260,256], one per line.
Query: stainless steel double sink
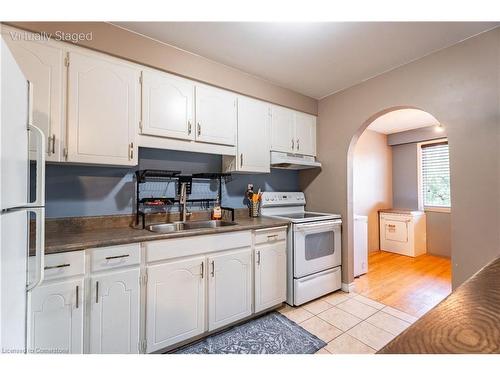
[179,226]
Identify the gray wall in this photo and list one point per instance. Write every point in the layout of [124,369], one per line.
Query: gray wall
[73,190]
[460,87]
[438,233]
[405,176]
[372,185]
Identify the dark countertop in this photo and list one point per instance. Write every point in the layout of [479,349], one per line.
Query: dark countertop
[467,321]
[72,239]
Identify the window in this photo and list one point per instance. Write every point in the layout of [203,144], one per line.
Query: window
[435,175]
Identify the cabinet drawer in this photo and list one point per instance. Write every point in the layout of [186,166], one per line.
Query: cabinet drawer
[190,246]
[270,235]
[60,265]
[113,257]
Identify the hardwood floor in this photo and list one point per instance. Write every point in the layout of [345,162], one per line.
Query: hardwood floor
[412,285]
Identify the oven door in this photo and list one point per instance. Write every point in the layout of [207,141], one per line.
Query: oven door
[316,246]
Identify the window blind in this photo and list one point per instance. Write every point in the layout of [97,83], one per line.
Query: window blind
[436,175]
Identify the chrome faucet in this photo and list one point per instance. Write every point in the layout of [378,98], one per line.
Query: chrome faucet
[182,201]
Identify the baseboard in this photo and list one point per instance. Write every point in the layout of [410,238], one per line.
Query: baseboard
[348,288]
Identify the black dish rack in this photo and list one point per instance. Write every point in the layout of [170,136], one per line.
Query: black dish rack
[149,205]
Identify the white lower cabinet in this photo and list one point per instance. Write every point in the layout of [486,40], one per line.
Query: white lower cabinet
[229,287]
[270,275]
[191,286]
[114,312]
[56,317]
[175,307]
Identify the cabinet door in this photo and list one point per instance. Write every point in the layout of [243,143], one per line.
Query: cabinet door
[229,287]
[43,65]
[167,106]
[253,136]
[56,318]
[102,110]
[114,312]
[270,275]
[305,134]
[216,116]
[282,129]
[175,307]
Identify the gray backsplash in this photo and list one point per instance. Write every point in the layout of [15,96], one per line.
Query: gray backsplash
[73,190]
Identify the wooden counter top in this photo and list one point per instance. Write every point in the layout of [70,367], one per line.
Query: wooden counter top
[467,321]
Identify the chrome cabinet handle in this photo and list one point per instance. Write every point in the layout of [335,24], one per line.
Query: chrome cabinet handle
[293,144]
[77,295]
[189,127]
[258,257]
[202,270]
[53,143]
[298,144]
[241,160]
[272,236]
[97,292]
[213,269]
[118,256]
[131,152]
[49,145]
[58,266]
[199,129]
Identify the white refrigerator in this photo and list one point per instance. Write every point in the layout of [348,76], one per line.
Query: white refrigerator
[16,209]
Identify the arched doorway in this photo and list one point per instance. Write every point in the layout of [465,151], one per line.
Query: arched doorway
[411,135]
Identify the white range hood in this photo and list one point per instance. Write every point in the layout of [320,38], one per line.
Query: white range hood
[285,160]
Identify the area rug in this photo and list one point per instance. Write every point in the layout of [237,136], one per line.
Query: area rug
[269,334]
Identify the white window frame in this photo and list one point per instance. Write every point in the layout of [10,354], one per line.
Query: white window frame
[421,206]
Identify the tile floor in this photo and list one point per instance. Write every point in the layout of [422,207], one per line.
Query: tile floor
[349,323]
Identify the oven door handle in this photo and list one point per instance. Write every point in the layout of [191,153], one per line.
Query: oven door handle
[305,227]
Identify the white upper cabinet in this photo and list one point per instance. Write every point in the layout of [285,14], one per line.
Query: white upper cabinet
[253,136]
[292,131]
[282,129]
[175,308]
[229,287]
[253,144]
[89,106]
[305,134]
[43,65]
[114,312]
[167,106]
[216,116]
[56,318]
[103,107]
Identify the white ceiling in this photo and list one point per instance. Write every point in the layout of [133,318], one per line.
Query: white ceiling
[401,120]
[315,59]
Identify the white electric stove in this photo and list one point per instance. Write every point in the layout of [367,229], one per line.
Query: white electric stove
[314,246]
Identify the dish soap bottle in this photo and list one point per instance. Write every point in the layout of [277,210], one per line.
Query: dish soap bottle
[217,211]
